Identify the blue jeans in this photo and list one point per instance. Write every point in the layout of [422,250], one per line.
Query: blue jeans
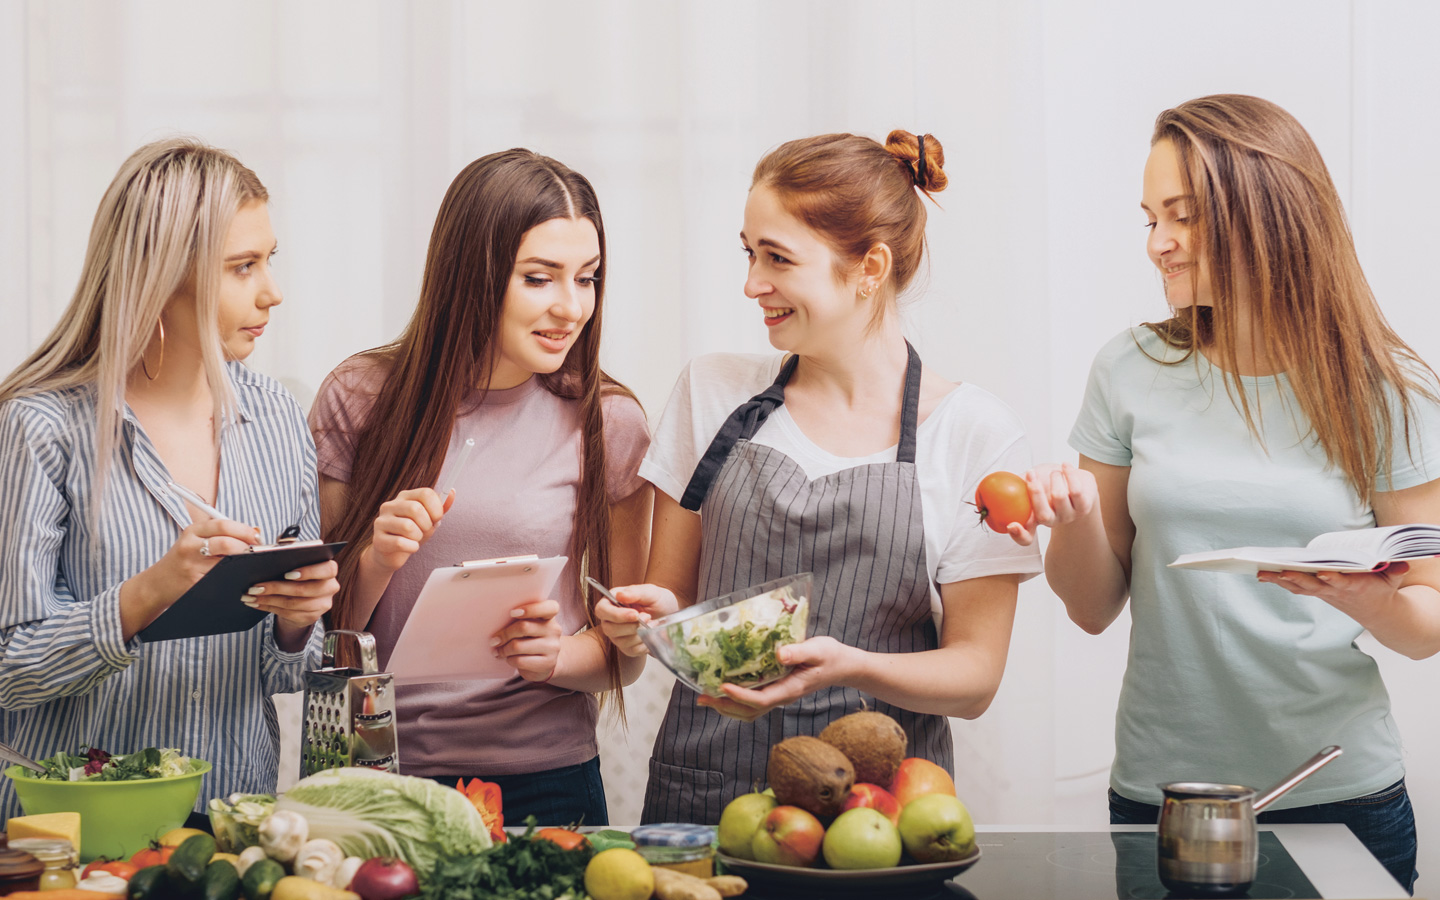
[1383,821]
[570,795]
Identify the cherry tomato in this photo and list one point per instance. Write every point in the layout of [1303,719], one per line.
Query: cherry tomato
[152,856]
[1002,498]
[120,867]
[568,840]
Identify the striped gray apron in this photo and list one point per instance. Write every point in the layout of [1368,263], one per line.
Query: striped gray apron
[860,531]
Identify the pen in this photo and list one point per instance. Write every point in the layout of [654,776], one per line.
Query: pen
[185,493]
[459,464]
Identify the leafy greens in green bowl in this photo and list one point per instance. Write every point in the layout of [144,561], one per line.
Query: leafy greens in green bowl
[733,638]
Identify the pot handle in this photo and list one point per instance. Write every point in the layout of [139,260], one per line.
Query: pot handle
[1310,767]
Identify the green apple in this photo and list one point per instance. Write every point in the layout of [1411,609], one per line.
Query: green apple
[739,822]
[936,828]
[862,838]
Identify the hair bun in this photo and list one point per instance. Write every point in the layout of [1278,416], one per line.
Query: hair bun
[927,169]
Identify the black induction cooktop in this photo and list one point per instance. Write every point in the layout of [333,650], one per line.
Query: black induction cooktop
[1076,866]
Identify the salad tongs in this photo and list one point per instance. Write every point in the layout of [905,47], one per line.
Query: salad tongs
[15,756]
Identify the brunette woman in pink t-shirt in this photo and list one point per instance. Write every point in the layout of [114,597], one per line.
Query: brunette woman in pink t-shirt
[503,349]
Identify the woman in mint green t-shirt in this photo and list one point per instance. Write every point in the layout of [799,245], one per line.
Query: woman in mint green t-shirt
[1274,405]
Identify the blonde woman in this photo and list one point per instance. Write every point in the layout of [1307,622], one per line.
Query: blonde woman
[140,384]
[1275,404]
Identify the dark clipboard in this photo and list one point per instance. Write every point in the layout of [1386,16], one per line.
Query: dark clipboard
[212,605]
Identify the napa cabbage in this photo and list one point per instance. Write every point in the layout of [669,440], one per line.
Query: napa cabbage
[371,813]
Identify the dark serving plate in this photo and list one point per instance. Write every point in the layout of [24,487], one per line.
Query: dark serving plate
[917,878]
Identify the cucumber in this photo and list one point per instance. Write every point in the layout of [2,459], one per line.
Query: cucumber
[149,883]
[221,882]
[186,867]
[260,879]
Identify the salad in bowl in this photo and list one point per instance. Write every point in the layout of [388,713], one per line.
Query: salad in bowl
[733,638]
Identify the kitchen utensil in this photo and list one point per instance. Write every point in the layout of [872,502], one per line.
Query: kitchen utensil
[1208,840]
[15,756]
[604,591]
[687,642]
[349,712]
[117,818]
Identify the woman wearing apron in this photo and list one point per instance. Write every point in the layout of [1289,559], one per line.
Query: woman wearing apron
[842,457]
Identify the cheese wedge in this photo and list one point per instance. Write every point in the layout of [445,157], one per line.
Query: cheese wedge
[62,825]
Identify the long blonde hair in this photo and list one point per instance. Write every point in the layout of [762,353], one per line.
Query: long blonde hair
[1267,221]
[161,223]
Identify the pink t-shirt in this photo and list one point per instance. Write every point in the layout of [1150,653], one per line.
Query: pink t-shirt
[517,494]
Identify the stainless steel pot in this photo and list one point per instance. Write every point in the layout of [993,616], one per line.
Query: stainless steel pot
[1208,842]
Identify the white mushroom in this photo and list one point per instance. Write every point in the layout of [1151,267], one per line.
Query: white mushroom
[318,860]
[346,873]
[283,834]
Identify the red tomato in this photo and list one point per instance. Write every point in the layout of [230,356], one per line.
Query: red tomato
[568,840]
[1002,498]
[151,856]
[120,867]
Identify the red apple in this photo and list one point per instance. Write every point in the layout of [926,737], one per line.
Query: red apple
[874,797]
[918,777]
[789,836]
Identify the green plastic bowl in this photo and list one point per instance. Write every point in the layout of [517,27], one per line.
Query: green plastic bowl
[117,818]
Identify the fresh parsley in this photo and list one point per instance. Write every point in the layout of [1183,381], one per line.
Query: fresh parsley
[523,868]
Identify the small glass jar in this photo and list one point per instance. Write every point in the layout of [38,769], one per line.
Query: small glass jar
[684,848]
[57,856]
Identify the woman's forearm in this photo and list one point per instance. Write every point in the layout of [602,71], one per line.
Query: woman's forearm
[580,666]
[951,681]
[371,580]
[1083,571]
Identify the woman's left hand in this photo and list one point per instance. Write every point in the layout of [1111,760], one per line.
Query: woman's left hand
[300,599]
[815,663]
[532,642]
[1357,595]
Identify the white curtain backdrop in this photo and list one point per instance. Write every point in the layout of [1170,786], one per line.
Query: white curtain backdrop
[357,114]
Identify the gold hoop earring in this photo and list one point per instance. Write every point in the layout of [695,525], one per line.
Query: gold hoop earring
[143,365]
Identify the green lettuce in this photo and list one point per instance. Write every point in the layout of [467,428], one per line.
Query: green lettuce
[371,813]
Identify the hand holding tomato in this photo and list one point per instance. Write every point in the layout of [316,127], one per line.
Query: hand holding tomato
[1059,495]
[1003,499]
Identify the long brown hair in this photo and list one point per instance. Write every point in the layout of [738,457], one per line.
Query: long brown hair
[449,348]
[856,193]
[1267,222]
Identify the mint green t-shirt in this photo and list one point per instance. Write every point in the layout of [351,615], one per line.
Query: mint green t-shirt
[1228,679]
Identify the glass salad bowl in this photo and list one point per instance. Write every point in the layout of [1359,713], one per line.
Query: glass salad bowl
[733,638]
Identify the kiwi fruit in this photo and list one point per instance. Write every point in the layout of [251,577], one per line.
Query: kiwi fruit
[811,774]
[873,742]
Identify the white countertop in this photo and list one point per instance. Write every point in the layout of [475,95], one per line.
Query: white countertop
[1330,856]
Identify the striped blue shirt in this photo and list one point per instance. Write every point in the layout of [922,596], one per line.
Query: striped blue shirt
[67,679]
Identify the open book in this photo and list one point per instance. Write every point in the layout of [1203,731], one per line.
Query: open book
[1361,550]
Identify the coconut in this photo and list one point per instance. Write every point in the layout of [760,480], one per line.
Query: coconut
[811,774]
[873,742]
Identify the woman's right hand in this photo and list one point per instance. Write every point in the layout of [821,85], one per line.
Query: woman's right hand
[1059,495]
[195,552]
[640,604]
[406,523]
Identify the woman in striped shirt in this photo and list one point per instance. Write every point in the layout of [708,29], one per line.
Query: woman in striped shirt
[141,384]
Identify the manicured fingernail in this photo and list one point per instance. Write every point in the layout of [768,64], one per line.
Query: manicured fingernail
[495,653]
[293,576]
[257,590]
[494,642]
[517,613]
[253,604]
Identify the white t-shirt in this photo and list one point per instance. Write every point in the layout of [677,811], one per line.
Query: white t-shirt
[1229,679]
[969,434]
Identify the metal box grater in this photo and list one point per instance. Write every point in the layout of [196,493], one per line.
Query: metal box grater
[349,712]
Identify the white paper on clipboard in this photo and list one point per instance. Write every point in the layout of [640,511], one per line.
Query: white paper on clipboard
[447,635]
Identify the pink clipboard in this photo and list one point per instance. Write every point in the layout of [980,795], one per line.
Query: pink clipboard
[447,636]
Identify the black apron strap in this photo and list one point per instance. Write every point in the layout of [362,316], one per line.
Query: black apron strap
[909,408]
[742,425]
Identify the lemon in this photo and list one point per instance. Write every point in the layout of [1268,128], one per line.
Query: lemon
[619,874]
[177,836]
